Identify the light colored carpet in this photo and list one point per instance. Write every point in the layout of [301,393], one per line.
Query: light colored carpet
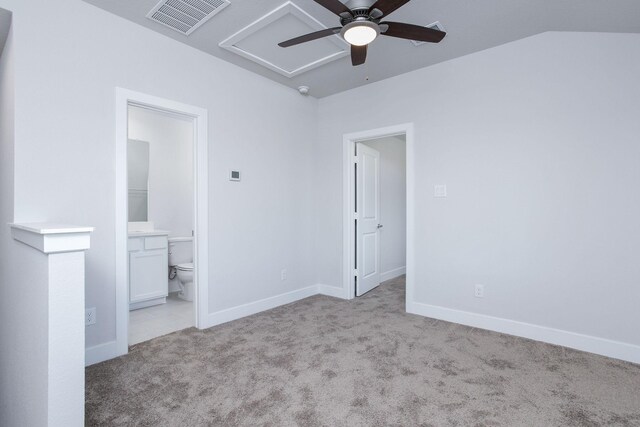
[327,362]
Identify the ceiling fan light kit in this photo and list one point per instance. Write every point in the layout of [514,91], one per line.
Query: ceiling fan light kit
[360,33]
[360,25]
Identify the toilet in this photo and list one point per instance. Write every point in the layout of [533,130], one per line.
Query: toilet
[181,258]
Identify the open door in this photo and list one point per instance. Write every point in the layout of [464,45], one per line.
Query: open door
[367,219]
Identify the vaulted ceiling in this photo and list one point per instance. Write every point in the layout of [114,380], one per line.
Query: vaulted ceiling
[251,29]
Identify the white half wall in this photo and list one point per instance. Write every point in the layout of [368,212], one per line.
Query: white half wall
[393,205]
[65,150]
[537,142]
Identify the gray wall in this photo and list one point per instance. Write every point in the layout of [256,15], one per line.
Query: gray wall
[537,141]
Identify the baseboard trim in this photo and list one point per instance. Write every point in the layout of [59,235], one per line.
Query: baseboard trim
[100,353]
[392,274]
[588,343]
[109,350]
[240,311]
[331,291]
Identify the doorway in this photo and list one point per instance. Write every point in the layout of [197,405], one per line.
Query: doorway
[137,202]
[160,228]
[380,223]
[373,177]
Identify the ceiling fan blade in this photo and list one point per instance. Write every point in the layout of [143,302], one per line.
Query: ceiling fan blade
[413,32]
[358,54]
[335,6]
[387,6]
[311,36]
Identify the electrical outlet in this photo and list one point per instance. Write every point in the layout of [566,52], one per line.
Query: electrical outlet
[90,316]
[479,291]
[283,274]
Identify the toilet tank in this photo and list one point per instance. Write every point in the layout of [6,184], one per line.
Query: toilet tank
[180,250]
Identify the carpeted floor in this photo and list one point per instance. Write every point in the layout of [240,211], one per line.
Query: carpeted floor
[327,362]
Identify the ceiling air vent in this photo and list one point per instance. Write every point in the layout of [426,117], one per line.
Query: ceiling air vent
[185,16]
[436,26]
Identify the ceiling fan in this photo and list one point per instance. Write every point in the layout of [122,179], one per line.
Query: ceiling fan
[360,25]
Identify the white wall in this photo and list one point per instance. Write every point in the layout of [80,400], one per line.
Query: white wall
[170,168]
[393,206]
[65,149]
[537,141]
[23,314]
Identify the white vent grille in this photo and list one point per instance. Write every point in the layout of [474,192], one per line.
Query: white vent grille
[436,26]
[185,16]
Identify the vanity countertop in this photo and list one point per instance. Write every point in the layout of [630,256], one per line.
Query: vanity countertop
[148,233]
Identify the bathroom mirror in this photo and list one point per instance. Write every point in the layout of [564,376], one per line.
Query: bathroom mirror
[138,177]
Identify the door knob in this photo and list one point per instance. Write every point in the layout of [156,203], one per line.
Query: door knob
[380,225]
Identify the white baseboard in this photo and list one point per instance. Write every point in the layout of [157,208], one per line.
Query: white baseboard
[392,274]
[100,353]
[588,343]
[332,291]
[148,303]
[602,346]
[109,350]
[248,309]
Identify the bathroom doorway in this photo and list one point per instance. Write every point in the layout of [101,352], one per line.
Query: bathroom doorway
[161,218]
[160,222]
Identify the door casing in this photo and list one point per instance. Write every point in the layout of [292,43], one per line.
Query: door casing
[348,190]
[125,98]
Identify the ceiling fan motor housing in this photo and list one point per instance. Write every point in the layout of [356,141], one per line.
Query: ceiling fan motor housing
[357,15]
[359,12]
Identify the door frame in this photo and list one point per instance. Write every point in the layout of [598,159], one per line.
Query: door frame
[348,190]
[125,98]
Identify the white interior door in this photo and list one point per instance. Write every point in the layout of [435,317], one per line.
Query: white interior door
[367,219]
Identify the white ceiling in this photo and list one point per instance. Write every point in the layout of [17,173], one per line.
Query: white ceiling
[472,25]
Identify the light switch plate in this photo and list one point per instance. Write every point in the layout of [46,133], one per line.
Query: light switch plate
[440,190]
[234,175]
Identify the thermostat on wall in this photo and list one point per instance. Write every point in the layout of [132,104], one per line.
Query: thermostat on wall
[440,191]
[234,175]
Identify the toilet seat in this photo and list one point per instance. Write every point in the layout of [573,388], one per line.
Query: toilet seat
[185,267]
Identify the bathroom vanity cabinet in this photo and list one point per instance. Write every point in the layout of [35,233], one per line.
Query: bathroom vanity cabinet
[148,269]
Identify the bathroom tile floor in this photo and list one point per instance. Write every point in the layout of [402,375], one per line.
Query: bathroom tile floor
[152,322]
